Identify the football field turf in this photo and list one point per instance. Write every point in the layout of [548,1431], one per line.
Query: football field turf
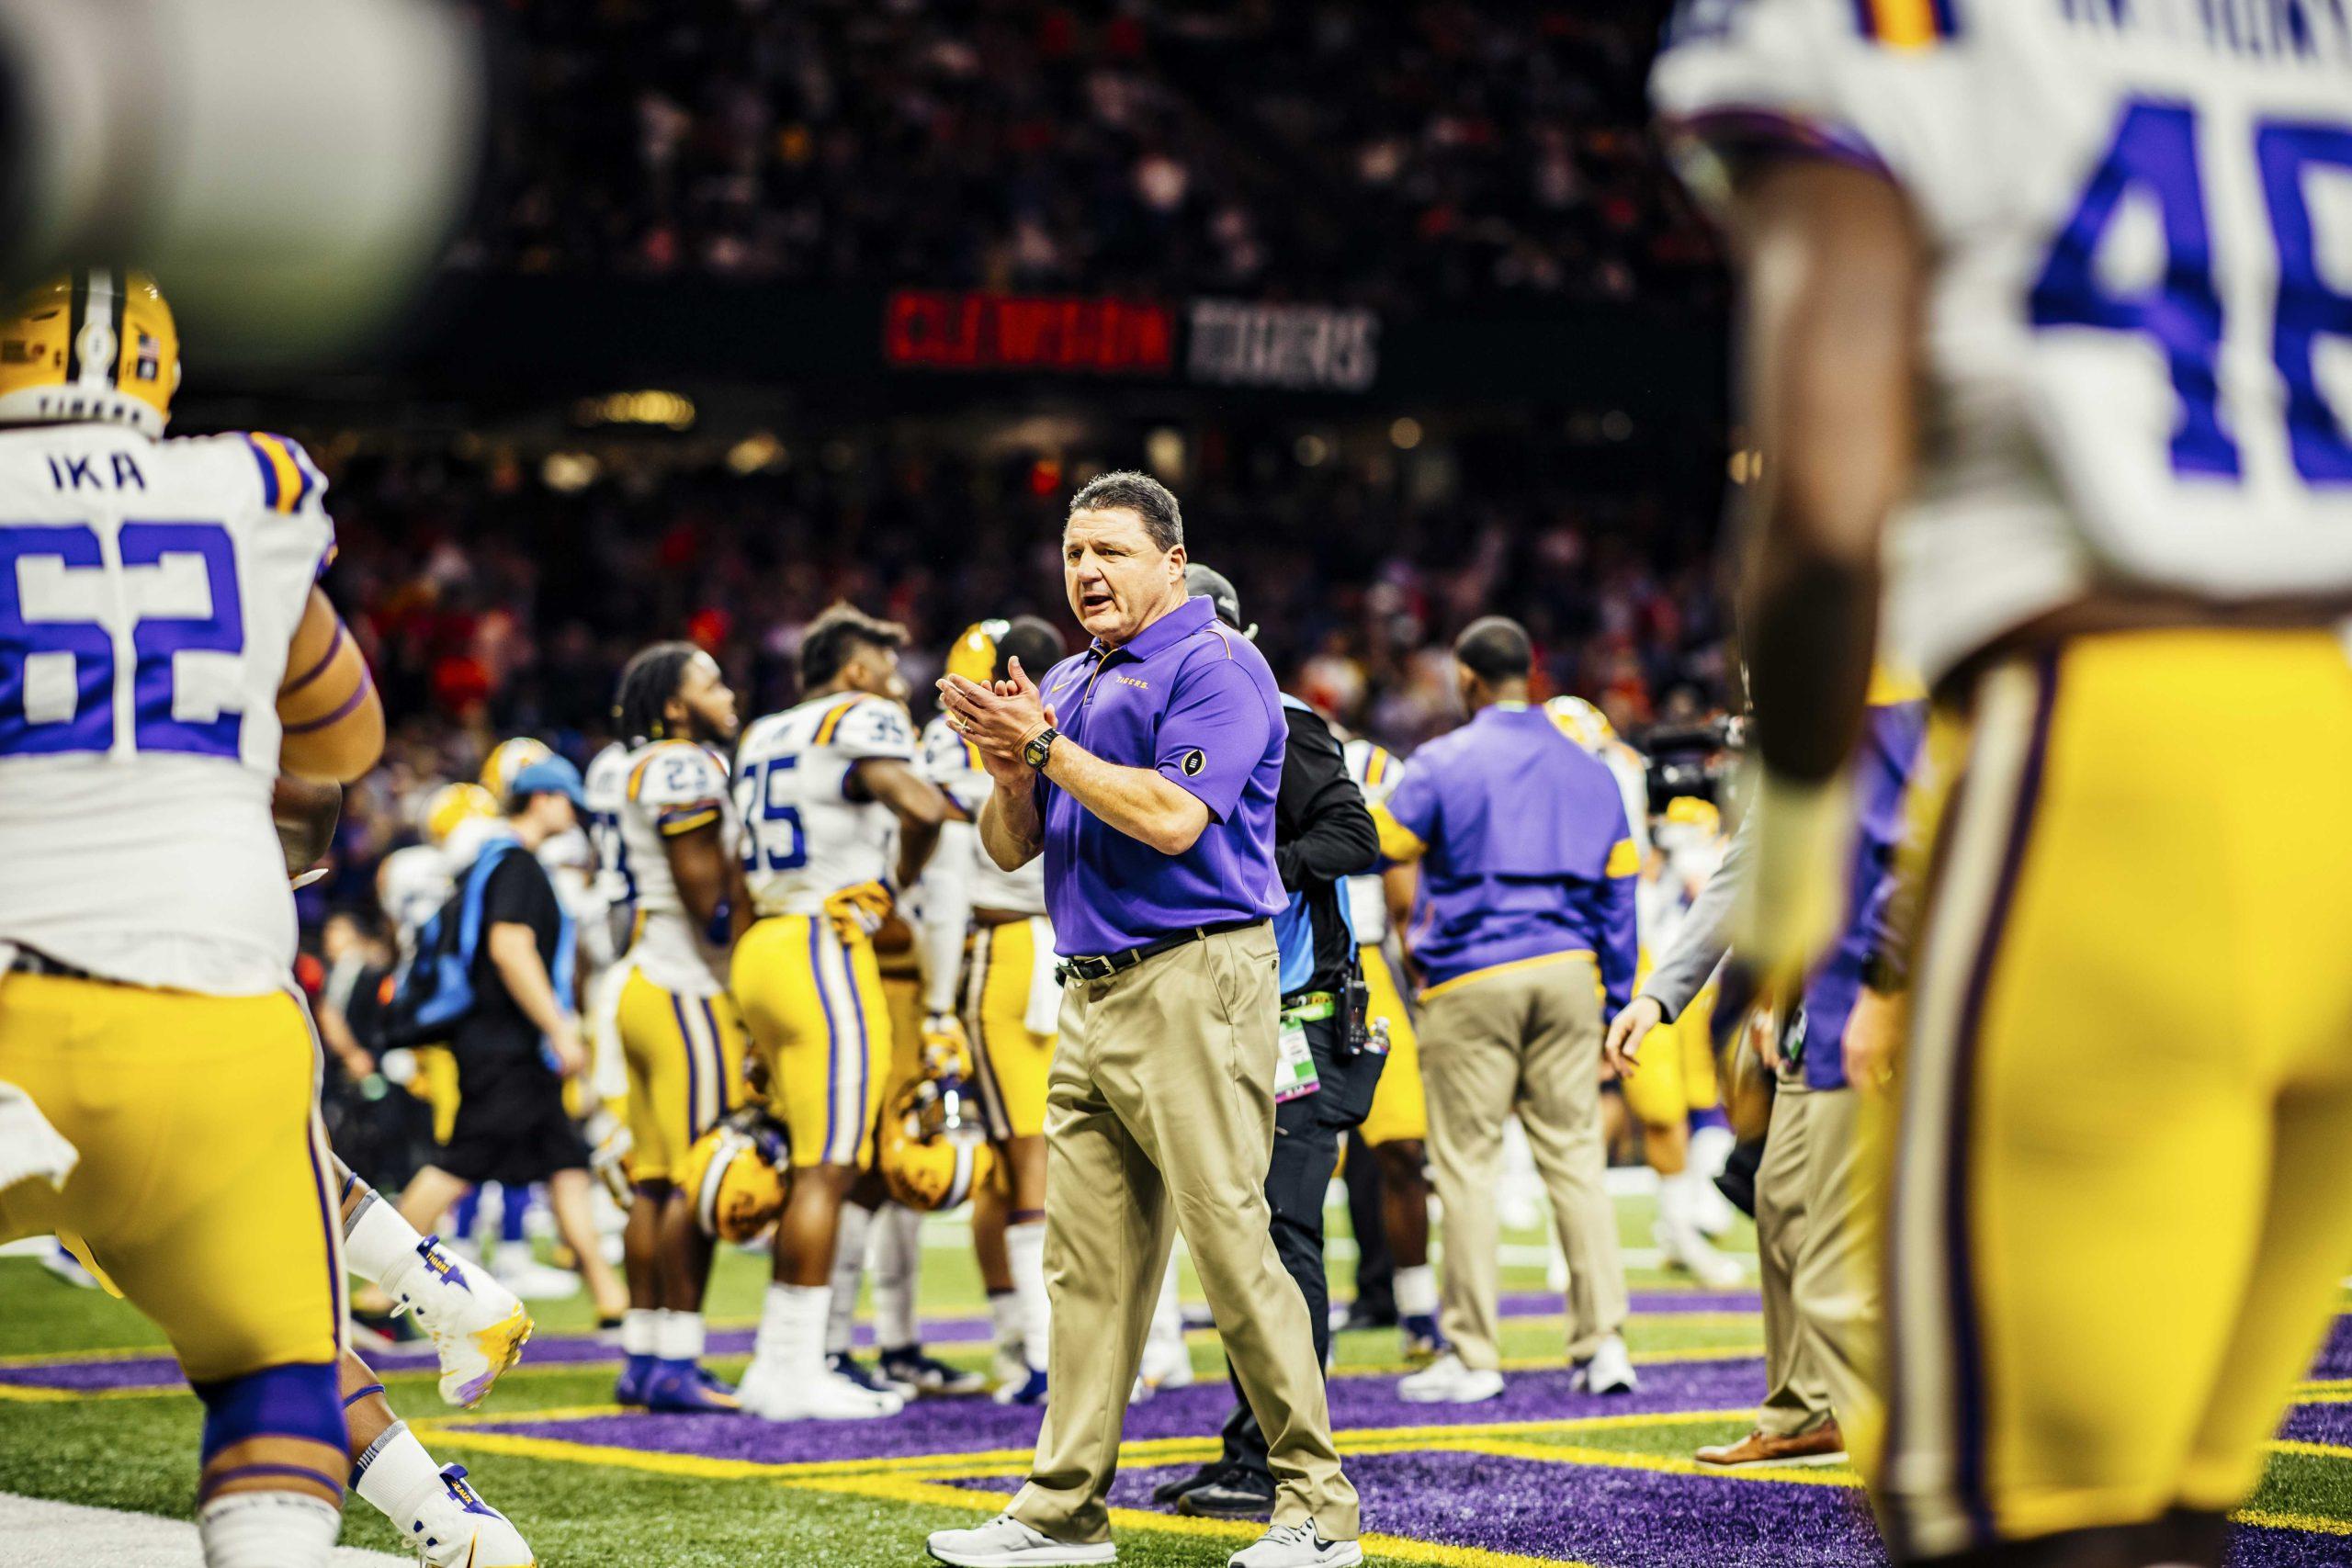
[91,1412]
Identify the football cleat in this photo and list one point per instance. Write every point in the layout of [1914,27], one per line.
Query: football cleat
[629,1391]
[681,1388]
[1028,1389]
[1448,1380]
[829,1396]
[844,1365]
[478,1326]
[910,1369]
[457,1529]
[1610,1369]
[1423,1340]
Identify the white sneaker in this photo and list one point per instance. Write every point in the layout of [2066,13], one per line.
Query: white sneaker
[828,1396]
[478,1326]
[1165,1365]
[537,1281]
[1683,1245]
[1296,1546]
[1006,1540]
[457,1530]
[1447,1381]
[1610,1369]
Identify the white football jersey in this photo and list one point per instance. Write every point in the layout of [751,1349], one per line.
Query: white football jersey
[950,761]
[148,591]
[2137,369]
[410,886]
[1376,770]
[606,788]
[804,838]
[672,786]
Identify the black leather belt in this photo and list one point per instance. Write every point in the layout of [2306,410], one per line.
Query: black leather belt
[1101,966]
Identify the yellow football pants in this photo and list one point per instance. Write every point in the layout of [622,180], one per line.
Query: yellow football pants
[204,1189]
[813,1003]
[1400,1110]
[684,1054]
[2119,1213]
[1011,1061]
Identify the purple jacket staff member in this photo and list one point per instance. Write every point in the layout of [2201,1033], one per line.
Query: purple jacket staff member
[1523,920]
[1145,772]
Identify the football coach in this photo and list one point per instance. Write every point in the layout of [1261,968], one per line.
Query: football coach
[1146,771]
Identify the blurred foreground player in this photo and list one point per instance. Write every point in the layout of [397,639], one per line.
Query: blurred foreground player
[156,676]
[2045,293]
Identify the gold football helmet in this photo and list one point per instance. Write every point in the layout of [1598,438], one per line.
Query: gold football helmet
[933,1152]
[1581,722]
[451,806]
[92,344]
[737,1176]
[509,758]
[974,655]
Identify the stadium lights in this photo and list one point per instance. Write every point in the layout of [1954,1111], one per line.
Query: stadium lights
[567,472]
[1747,466]
[1311,451]
[1404,433]
[757,451]
[1164,450]
[672,410]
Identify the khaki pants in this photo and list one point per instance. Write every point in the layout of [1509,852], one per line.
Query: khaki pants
[1795,1397]
[1524,1039]
[1836,1280]
[1162,1105]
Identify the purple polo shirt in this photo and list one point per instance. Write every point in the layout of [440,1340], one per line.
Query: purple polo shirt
[1893,734]
[1527,855]
[1197,702]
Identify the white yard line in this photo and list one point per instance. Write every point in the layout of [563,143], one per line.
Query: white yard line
[43,1534]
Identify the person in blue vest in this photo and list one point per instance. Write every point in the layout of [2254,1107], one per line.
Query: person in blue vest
[519,1038]
[1323,835]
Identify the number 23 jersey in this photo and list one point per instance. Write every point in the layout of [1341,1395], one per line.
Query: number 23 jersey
[148,592]
[2138,326]
[805,836]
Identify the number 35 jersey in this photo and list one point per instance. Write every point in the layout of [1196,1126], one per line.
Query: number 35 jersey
[805,839]
[2138,350]
[148,592]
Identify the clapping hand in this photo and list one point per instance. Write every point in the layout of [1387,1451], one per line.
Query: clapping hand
[1000,719]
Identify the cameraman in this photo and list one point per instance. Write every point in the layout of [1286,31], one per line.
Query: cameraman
[1323,835]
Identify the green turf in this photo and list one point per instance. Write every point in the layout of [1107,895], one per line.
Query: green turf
[139,1453]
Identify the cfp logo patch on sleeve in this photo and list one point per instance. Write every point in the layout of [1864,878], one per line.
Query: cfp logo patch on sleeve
[1194,762]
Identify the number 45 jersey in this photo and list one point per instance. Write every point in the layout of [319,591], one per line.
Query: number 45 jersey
[2138,356]
[148,592]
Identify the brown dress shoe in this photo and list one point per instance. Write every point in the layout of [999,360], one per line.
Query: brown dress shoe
[1824,1444]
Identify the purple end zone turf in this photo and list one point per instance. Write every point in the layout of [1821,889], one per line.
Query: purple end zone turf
[1609,1517]
[966,1426]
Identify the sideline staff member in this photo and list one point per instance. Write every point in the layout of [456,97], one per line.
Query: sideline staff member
[1156,816]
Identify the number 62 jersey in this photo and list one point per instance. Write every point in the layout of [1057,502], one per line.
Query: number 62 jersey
[148,593]
[2138,354]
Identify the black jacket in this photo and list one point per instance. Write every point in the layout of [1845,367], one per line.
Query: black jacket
[1323,835]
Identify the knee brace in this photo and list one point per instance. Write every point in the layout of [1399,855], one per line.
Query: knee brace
[299,1402]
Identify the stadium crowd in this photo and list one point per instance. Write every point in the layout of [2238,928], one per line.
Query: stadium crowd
[1408,157]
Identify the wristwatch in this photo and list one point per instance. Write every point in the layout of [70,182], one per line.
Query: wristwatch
[1039,746]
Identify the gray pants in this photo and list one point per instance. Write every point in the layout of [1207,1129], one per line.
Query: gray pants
[1160,1107]
[1524,1039]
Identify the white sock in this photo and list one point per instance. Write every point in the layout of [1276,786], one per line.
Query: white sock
[791,1343]
[1010,1324]
[1165,1342]
[849,1264]
[1025,1249]
[898,1267]
[511,1256]
[640,1330]
[678,1336]
[378,1245]
[1416,1291]
[267,1529]
[397,1475]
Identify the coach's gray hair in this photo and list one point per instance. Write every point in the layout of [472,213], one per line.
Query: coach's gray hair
[1138,494]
